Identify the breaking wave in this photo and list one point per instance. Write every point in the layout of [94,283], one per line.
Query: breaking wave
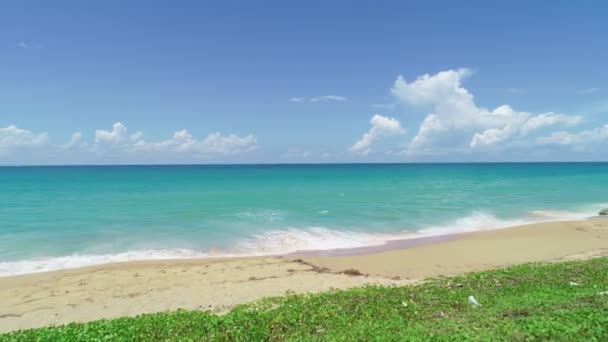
[294,239]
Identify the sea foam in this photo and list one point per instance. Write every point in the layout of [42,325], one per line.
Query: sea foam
[291,240]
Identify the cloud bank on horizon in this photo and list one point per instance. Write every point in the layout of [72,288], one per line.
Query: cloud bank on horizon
[118,145]
[451,123]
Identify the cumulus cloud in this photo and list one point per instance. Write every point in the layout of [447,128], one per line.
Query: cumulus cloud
[216,143]
[118,144]
[13,138]
[519,124]
[117,135]
[213,144]
[539,121]
[578,140]
[74,140]
[456,122]
[182,142]
[381,126]
[444,87]
[136,136]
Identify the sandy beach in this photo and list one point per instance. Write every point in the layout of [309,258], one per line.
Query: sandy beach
[131,288]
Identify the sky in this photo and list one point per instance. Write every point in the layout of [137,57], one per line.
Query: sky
[146,82]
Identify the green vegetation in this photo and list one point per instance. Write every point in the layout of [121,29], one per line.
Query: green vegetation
[563,301]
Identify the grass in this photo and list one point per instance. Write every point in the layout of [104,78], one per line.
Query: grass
[561,302]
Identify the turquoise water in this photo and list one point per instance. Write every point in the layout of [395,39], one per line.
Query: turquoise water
[57,217]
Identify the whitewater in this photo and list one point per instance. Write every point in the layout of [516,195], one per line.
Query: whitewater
[66,217]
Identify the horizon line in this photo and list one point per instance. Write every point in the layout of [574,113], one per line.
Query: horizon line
[292,164]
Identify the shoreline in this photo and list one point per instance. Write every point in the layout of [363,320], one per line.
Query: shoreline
[400,243]
[134,287]
[415,240]
[404,240]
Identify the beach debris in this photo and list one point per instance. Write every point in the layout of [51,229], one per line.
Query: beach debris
[574,284]
[604,212]
[352,272]
[473,301]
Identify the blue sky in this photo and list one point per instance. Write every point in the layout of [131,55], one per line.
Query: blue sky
[312,81]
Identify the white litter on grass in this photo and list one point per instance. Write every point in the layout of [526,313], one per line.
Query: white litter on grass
[574,284]
[473,301]
[404,303]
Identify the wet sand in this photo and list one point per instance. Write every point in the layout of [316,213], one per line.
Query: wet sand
[131,288]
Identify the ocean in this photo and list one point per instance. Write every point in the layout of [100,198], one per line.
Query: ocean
[62,217]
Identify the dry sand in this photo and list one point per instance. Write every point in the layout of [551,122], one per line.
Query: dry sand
[126,289]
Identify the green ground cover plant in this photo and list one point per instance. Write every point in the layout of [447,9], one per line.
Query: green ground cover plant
[561,301]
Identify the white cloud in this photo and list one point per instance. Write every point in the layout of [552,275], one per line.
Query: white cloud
[117,144]
[427,89]
[519,124]
[117,135]
[12,138]
[539,121]
[576,140]
[184,142]
[325,98]
[136,136]
[74,140]
[216,143]
[456,122]
[381,126]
